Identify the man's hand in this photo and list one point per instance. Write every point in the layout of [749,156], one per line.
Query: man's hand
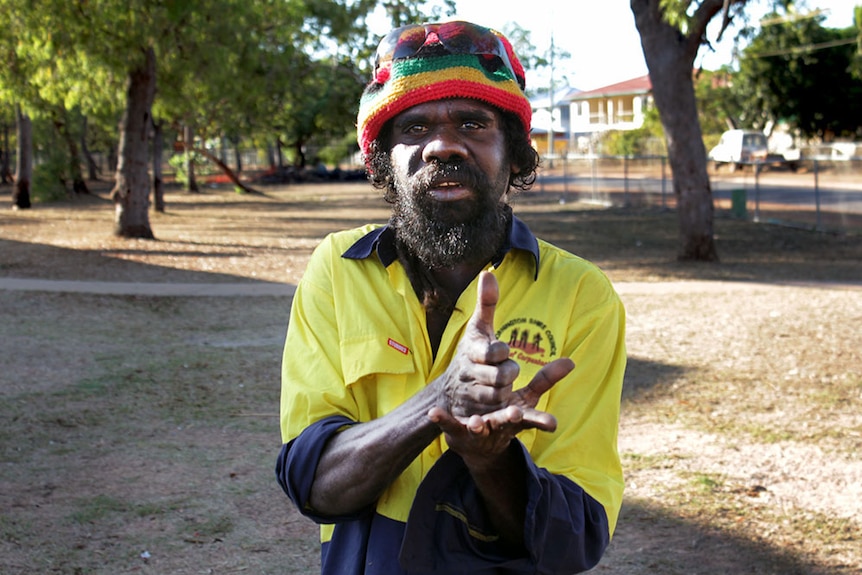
[479,378]
[484,414]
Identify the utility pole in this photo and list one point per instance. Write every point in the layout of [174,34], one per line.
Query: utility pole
[551,107]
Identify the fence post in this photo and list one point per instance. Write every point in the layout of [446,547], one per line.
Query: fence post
[757,192]
[663,183]
[566,177]
[817,196]
[738,203]
[626,180]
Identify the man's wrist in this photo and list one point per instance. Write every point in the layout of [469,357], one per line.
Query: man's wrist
[496,463]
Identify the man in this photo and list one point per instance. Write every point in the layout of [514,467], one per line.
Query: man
[417,438]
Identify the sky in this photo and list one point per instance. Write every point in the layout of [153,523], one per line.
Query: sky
[601,35]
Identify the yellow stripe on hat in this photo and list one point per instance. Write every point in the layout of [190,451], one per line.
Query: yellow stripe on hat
[417,80]
[399,87]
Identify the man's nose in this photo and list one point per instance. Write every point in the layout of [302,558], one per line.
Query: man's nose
[444,145]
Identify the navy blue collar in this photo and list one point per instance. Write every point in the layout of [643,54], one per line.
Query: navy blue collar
[382,241]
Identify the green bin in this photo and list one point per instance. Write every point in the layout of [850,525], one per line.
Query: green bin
[738,201]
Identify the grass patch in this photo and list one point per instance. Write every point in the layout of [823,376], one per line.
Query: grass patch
[707,483]
[93,509]
[206,530]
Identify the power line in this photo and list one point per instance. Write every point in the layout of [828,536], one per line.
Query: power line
[803,49]
[792,17]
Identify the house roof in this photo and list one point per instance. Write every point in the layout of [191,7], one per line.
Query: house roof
[564,94]
[640,85]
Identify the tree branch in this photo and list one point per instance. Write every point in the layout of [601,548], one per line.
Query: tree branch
[226,170]
[705,12]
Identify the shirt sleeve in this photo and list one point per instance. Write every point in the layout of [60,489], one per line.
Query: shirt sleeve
[302,454]
[448,530]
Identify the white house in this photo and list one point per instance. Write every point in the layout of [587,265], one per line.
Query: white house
[580,116]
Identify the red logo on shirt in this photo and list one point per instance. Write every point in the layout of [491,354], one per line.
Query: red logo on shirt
[398,346]
[529,340]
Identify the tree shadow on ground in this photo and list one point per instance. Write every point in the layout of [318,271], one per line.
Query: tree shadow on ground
[643,376]
[651,539]
[40,261]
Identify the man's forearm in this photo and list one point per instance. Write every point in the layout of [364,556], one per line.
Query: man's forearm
[359,463]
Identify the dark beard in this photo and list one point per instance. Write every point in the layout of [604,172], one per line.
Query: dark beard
[445,235]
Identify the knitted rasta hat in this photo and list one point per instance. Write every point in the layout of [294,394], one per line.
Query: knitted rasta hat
[421,63]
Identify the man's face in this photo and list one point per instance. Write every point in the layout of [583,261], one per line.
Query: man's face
[451,173]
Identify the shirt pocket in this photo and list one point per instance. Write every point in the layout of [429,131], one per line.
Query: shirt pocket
[380,372]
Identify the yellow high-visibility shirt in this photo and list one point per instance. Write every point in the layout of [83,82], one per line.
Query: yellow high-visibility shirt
[357,347]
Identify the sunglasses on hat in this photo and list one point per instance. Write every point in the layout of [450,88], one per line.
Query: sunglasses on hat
[456,37]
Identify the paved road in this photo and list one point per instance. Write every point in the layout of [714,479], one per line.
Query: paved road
[841,193]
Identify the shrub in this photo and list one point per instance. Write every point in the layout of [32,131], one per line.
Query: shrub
[49,177]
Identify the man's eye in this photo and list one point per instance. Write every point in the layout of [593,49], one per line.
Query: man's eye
[415,129]
[471,125]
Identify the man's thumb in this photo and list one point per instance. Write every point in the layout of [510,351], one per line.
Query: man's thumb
[487,296]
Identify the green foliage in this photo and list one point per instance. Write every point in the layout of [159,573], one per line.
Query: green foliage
[644,141]
[719,107]
[674,13]
[856,64]
[320,107]
[623,142]
[224,66]
[797,71]
[403,12]
[532,59]
[524,46]
[338,150]
[202,166]
[49,176]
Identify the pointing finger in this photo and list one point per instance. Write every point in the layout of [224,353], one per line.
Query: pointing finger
[486,302]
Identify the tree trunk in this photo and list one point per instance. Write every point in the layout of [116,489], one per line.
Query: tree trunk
[237,155]
[670,59]
[61,123]
[223,149]
[131,193]
[6,168]
[279,145]
[23,162]
[112,158]
[270,155]
[300,160]
[158,184]
[92,168]
[189,143]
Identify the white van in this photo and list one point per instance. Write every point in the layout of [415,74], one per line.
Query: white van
[739,147]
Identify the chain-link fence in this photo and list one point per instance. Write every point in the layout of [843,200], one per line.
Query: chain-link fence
[817,194]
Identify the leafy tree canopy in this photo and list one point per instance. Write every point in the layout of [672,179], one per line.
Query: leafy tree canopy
[797,71]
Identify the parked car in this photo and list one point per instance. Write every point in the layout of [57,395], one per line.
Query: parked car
[738,148]
[834,152]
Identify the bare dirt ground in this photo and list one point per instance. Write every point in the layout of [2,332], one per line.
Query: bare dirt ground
[140,432]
